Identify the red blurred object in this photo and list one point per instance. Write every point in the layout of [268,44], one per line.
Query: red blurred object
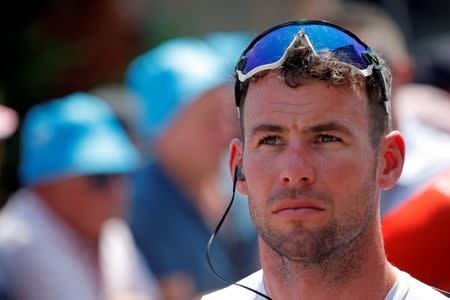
[417,234]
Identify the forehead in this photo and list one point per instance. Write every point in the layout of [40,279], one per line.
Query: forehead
[270,100]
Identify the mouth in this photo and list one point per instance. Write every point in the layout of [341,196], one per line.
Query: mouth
[297,208]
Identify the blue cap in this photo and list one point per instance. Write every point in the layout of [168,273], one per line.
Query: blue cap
[176,72]
[75,135]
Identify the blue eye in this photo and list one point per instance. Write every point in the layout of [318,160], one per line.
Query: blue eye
[270,140]
[325,138]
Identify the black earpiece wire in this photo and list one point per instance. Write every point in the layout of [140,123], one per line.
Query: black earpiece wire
[211,239]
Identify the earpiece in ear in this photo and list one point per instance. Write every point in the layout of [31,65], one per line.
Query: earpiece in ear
[239,174]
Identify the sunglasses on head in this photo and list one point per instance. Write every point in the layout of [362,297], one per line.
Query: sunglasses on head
[101,180]
[268,50]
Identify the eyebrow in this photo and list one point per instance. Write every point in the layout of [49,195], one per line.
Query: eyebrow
[268,128]
[329,126]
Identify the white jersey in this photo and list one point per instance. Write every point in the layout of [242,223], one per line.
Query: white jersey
[405,288]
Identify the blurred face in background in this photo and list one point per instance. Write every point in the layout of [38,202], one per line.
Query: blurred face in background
[206,127]
[86,202]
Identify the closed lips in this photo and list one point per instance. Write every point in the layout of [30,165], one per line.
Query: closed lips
[297,204]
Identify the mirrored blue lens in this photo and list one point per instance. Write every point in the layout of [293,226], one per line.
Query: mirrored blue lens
[271,47]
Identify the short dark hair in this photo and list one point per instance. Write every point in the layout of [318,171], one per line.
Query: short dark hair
[302,65]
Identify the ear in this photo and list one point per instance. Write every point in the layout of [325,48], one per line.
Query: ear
[236,159]
[392,160]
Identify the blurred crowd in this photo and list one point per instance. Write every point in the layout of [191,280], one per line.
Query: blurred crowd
[121,163]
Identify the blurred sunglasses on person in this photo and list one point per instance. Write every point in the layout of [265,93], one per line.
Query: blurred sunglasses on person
[101,181]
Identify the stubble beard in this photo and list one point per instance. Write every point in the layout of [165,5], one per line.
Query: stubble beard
[331,249]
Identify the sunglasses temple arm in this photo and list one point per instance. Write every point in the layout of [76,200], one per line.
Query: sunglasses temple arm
[380,78]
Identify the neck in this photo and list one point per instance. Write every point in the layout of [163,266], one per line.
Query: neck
[360,271]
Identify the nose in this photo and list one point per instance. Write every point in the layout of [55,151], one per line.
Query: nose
[297,167]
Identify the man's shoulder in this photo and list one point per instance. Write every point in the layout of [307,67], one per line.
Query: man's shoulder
[409,288]
[254,281]
[420,290]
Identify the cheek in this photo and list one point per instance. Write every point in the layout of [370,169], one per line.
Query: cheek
[104,205]
[210,145]
[341,170]
[346,180]
[345,166]
[260,174]
[93,205]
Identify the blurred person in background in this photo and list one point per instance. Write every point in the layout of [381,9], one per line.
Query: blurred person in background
[4,286]
[433,61]
[8,124]
[61,235]
[186,122]
[125,107]
[9,121]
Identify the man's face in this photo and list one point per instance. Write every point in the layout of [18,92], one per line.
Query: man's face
[206,127]
[309,165]
[87,202]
